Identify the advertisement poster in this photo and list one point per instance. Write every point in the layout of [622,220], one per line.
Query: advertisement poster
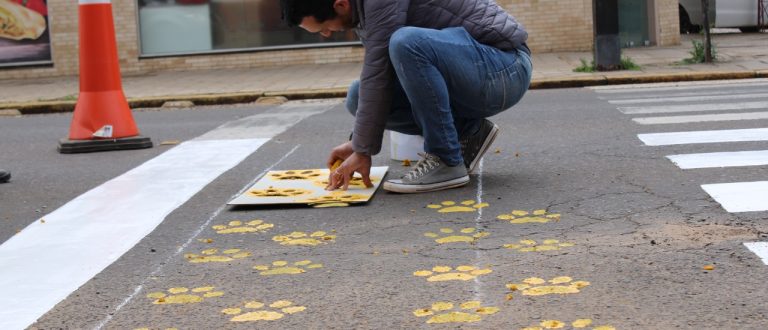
[24,35]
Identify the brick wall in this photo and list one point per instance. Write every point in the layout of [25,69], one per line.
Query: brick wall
[553,25]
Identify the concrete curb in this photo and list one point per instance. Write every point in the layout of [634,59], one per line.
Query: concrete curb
[37,107]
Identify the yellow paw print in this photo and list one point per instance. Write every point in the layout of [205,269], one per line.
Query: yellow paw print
[212,255]
[281,267]
[356,182]
[300,238]
[282,307]
[535,286]
[537,216]
[465,235]
[450,206]
[184,295]
[296,175]
[337,197]
[528,245]
[278,192]
[578,324]
[473,312]
[237,226]
[445,273]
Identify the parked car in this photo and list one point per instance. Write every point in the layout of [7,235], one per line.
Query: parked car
[741,14]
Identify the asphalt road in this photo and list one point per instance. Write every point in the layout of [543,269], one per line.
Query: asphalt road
[621,235]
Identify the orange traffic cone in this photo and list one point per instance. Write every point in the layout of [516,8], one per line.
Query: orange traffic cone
[102,119]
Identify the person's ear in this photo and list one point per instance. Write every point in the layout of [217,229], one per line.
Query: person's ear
[341,7]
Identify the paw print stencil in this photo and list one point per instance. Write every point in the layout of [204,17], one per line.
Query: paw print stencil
[256,311]
[535,286]
[537,216]
[451,206]
[282,267]
[445,273]
[464,235]
[301,238]
[279,192]
[445,312]
[183,295]
[296,175]
[239,227]
[528,245]
[577,324]
[213,255]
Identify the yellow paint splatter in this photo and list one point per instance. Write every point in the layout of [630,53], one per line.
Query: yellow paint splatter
[324,205]
[552,324]
[473,312]
[537,216]
[301,238]
[177,295]
[337,197]
[282,267]
[444,273]
[577,324]
[532,246]
[451,207]
[212,255]
[581,323]
[469,235]
[559,285]
[238,227]
[709,267]
[282,307]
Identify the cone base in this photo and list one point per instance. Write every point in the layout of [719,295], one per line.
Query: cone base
[67,146]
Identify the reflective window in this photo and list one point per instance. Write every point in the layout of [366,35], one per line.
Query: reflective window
[198,26]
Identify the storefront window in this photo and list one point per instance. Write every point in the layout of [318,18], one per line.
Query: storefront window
[198,26]
[24,35]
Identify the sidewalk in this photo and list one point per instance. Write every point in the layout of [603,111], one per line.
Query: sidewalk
[740,56]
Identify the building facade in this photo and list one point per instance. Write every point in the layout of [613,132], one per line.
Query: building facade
[168,35]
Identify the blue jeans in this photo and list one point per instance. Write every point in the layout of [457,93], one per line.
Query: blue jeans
[447,84]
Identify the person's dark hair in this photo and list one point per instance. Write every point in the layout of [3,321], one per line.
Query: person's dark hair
[295,10]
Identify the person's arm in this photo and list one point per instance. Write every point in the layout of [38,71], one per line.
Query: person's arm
[381,19]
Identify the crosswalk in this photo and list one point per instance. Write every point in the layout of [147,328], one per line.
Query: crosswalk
[739,105]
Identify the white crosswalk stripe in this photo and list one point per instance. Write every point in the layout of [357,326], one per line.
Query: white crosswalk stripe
[730,99]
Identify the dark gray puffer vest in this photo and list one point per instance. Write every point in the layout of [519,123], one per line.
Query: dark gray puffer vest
[377,20]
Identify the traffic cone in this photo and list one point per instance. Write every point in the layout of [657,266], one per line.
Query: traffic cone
[102,119]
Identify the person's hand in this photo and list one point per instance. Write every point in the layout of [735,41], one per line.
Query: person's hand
[341,152]
[341,177]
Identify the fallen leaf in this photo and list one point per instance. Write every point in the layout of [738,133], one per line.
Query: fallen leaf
[709,267]
[498,151]
[406,162]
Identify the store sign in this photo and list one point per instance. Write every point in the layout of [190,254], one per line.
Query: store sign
[24,35]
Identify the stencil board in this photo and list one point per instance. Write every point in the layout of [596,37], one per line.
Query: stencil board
[308,187]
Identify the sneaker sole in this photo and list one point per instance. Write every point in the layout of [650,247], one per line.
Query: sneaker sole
[413,188]
[484,148]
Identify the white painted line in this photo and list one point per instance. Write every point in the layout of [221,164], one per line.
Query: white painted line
[740,196]
[721,159]
[691,98]
[99,226]
[700,118]
[655,95]
[695,107]
[657,87]
[760,249]
[735,135]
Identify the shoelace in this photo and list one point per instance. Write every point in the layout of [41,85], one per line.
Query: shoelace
[425,164]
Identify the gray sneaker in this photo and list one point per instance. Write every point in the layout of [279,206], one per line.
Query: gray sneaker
[429,174]
[473,147]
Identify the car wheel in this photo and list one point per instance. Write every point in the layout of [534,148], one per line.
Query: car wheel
[685,22]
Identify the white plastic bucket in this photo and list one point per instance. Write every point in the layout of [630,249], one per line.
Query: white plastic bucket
[405,146]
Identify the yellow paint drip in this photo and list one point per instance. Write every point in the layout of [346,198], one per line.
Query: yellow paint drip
[254,304]
[283,271]
[441,306]
[178,299]
[552,324]
[294,309]
[470,304]
[454,317]
[280,304]
[581,323]
[258,316]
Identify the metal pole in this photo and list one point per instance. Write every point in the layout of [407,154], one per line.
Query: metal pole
[707,38]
